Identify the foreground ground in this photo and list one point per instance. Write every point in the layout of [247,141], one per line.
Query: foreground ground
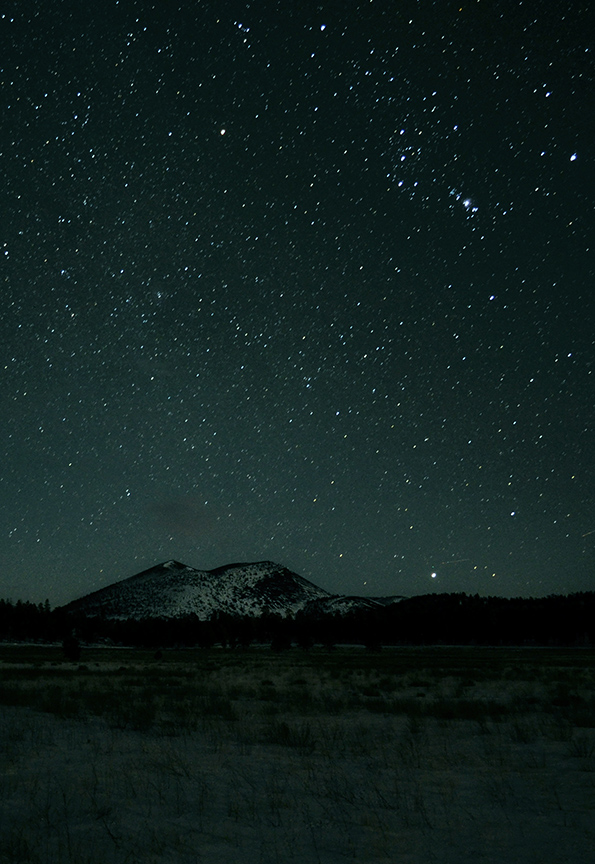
[408,755]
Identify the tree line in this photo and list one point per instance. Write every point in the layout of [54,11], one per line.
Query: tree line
[446,619]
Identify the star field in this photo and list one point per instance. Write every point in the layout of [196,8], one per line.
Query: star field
[305,283]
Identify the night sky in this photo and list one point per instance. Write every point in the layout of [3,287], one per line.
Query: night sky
[310,283]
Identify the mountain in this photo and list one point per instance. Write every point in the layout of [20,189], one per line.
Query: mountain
[173,589]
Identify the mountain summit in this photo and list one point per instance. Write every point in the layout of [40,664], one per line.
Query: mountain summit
[172,589]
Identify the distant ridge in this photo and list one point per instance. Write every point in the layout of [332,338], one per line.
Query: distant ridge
[173,589]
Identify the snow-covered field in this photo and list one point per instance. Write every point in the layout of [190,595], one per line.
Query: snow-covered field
[412,755]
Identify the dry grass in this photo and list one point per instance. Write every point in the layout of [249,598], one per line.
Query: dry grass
[410,754]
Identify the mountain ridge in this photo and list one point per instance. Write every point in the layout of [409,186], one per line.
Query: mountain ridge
[172,589]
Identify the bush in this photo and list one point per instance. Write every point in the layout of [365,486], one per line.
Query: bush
[72,648]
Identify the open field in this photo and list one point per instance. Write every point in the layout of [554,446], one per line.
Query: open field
[406,755]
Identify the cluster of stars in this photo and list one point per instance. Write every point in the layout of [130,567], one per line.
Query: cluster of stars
[315,291]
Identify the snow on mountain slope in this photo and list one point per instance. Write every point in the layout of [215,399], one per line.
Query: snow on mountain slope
[343,605]
[173,589]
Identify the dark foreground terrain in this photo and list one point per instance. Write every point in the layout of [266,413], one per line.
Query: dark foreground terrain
[404,755]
